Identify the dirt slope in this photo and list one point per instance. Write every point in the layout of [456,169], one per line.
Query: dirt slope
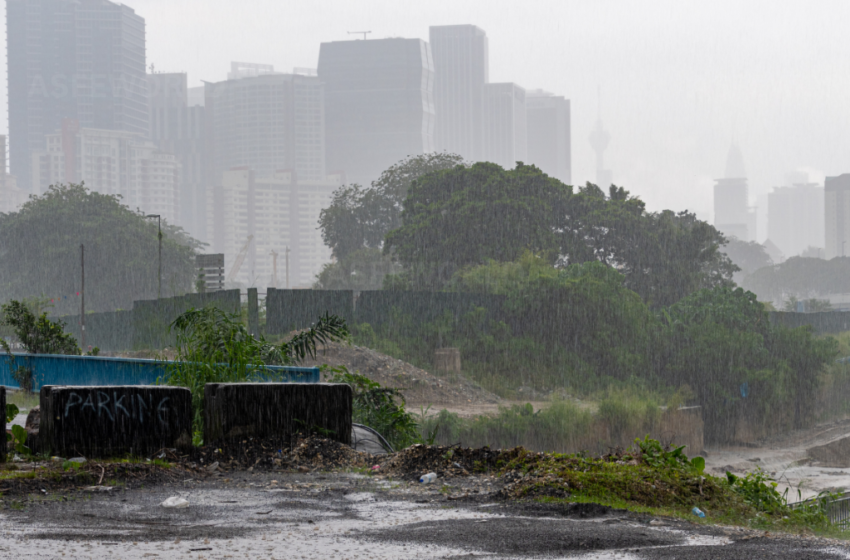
[419,387]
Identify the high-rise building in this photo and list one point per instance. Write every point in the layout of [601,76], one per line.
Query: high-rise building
[379,104]
[836,205]
[549,139]
[461,68]
[268,122]
[178,127]
[731,198]
[72,59]
[505,125]
[12,197]
[795,217]
[111,162]
[280,213]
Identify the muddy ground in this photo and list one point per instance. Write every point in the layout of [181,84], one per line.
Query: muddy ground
[241,514]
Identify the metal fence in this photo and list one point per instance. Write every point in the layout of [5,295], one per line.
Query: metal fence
[837,510]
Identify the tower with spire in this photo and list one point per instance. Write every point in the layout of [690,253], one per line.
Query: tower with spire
[732,215]
[599,139]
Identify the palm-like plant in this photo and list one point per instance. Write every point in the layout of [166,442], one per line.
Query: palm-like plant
[214,346]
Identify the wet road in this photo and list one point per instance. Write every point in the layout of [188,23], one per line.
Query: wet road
[352,516]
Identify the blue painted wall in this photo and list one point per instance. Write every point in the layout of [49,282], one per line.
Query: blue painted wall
[51,369]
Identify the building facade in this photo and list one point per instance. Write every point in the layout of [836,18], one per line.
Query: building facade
[549,137]
[177,126]
[111,162]
[276,219]
[837,215]
[505,125]
[379,105]
[266,122]
[795,218]
[461,68]
[72,59]
[731,198]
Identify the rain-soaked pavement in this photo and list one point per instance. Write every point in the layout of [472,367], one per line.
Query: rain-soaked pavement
[300,516]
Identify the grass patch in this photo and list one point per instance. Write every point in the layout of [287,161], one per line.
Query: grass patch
[650,479]
[24,400]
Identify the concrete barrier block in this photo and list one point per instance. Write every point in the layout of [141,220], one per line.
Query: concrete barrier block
[101,421]
[278,410]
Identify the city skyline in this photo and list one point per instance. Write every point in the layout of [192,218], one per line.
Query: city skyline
[675,91]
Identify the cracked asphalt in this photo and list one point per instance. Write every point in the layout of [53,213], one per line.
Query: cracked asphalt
[346,515]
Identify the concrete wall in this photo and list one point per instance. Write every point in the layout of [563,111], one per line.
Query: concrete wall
[94,370]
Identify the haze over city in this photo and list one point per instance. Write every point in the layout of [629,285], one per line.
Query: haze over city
[679,81]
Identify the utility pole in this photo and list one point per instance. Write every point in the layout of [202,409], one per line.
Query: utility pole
[358,33]
[83,297]
[287,267]
[159,268]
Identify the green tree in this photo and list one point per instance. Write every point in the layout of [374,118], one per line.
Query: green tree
[361,217]
[800,277]
[364,269]
[465,216]
[749,256]
[40,252]
[37,333]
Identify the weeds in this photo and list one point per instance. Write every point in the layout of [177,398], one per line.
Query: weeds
[380,408]
[215,347]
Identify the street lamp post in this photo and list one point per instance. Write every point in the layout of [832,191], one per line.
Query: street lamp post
[159,267]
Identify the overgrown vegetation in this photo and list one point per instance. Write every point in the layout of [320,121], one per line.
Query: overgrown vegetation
[214,346]
[380,408]
[651,477]
[37,334]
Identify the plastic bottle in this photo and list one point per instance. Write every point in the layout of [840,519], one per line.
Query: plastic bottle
[428,478]
[698,512]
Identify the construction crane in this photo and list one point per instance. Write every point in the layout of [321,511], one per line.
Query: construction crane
[240,258]
[274,268]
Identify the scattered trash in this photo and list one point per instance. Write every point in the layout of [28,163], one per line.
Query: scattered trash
[698,512]
[376,467]
[57,459]
[213,467]
[428,478]
[99,488]
[77,460]
[175,502]
[17,459]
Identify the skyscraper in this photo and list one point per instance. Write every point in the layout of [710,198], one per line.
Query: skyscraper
[505,125]
[795,216]
[72,59]
[178,127]
[837,215]
[111,162]
[549,138]
[461,68]
[267,122]
[379,104]
[731,197]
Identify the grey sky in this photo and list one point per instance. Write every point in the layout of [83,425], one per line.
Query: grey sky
[679,80]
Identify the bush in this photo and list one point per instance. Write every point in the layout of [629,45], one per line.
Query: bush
[215,347]
[380,408]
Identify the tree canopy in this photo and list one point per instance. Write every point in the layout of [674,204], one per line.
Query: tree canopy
[465,216]
[40,252]
[800,277]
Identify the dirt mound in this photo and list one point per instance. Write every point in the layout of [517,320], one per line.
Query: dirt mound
[419,387]
[416,460]
[267,454]
[49,477]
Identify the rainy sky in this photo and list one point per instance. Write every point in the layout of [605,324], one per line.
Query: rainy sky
[679,80]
